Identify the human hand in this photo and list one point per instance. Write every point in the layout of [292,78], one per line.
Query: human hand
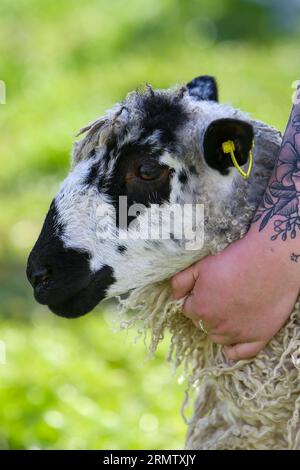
[243,295]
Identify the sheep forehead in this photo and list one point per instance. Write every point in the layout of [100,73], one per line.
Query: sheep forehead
[161,117]
[170,124]
[158,116]
[99,167]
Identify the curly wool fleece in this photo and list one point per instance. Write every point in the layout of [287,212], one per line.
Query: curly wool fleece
[250,404]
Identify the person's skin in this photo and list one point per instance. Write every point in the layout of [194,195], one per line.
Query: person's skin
[245,294]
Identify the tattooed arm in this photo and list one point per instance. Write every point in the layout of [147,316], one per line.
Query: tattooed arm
[280,204]
[246,293]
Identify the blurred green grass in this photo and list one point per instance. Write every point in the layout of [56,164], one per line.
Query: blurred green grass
[81,386]
[78,384]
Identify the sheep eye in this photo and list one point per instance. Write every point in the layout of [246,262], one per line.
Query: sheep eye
[150,171]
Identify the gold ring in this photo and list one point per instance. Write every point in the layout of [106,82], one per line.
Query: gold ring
[202,327]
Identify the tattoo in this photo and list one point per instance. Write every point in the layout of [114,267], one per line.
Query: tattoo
[296,122]
[281,199]
[295,257]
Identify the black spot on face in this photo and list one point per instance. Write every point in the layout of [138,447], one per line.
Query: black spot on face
[192,169]
[93,174]
[61,277]
[125,180]
[183,177]
[86,299]
[164,113]
[122,248]
[160,112]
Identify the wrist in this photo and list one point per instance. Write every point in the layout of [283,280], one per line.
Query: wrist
[281,256]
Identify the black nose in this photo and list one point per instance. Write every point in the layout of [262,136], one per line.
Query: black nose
[37,275]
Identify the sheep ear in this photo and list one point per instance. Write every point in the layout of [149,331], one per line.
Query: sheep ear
[222,130]
[203,88]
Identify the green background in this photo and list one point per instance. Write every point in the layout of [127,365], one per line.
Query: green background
[79,384]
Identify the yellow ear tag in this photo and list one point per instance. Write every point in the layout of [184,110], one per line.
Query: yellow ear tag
[228,147]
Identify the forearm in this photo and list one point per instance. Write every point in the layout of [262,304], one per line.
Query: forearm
[276,225]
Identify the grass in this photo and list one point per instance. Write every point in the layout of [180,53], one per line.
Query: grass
[78,384]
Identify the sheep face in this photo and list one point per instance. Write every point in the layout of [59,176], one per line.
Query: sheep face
[117,221]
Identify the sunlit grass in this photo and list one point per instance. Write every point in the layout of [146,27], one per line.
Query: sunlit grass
[80,385]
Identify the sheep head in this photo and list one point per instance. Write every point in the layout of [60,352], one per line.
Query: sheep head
[151,163]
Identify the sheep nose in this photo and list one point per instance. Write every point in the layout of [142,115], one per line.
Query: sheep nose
[37,276]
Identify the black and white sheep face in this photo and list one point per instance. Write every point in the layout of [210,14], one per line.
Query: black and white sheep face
[151,155]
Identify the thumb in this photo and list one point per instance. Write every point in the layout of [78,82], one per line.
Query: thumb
[243,350]
[183,282]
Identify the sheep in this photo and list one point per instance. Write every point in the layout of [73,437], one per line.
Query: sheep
[159,149]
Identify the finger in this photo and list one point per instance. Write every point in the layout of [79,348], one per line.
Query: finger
[183,282]
[224,340]
[189,309]
[198,327]
[243,350]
